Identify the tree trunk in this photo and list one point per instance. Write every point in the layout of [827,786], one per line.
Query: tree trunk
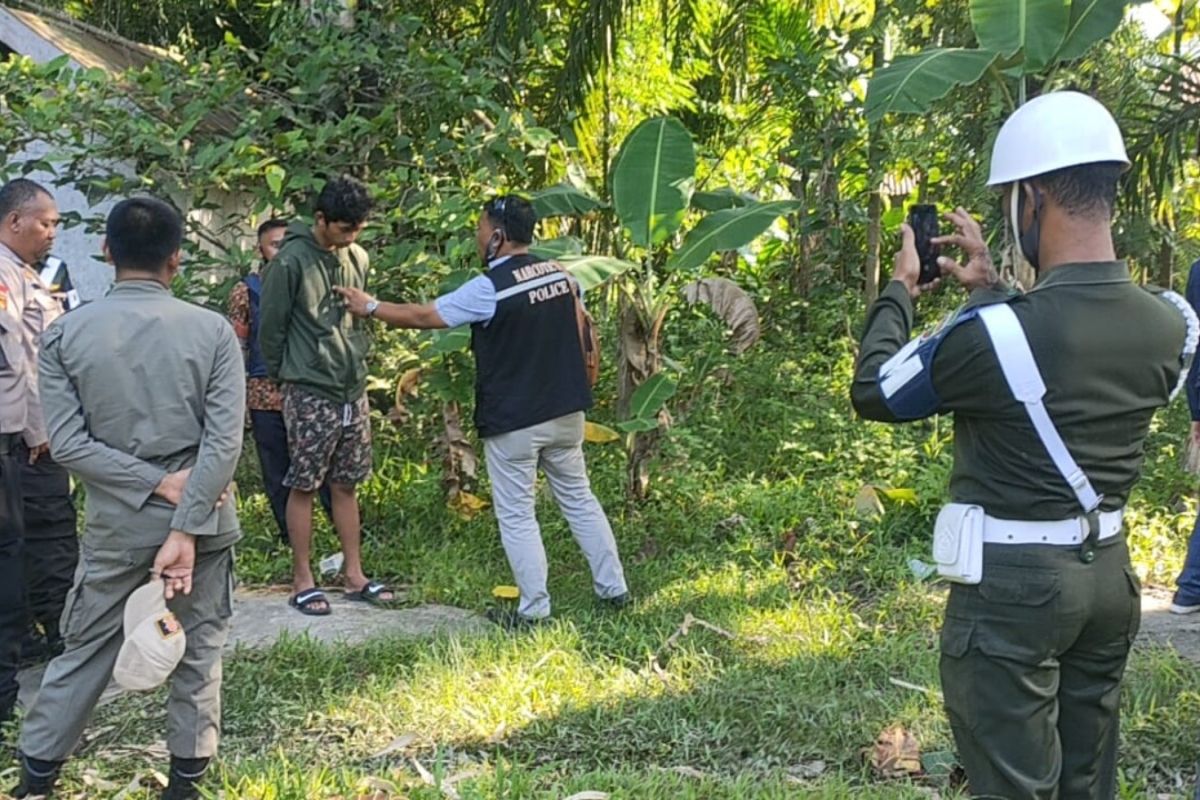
[874,234]
[1166,260]
[875,168]
[639,358]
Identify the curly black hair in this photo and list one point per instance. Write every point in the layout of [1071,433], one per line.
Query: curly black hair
[344,199]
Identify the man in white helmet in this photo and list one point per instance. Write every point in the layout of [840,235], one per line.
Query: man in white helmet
[1043,603]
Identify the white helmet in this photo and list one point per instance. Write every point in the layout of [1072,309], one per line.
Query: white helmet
[1056,130]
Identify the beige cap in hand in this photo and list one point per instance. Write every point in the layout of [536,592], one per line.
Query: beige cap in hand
[154,641]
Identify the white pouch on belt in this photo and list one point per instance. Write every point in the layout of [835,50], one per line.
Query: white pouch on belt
[958,543]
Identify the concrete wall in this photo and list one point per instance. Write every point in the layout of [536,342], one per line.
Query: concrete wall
[80,248]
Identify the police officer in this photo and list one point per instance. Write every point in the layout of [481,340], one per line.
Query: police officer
[28,220]
[144,399]
[531,392]
[1045,605]
[51,543]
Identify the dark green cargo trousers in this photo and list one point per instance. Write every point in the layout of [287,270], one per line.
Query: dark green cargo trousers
[1032,659]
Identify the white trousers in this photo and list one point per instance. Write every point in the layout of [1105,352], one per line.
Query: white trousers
[512,462]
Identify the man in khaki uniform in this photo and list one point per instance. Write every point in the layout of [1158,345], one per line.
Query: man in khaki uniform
[144,400]
[51,547]
[28,220]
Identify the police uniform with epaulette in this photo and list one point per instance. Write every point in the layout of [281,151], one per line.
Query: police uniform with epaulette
[1052,394]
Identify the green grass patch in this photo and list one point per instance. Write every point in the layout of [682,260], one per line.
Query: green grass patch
[814,614]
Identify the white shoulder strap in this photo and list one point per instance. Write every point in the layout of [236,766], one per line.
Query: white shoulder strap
[1021,372]
[1190,341]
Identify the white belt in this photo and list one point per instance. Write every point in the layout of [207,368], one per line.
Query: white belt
[1062,532]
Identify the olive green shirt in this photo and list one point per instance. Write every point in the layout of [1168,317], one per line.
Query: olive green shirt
[1110,354]
[307,336]
[134,386]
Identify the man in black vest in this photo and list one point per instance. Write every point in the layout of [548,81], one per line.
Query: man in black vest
[531,391]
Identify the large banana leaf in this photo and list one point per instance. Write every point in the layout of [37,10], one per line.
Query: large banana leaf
[562,200]
[718,199]
[1033,27]
[650,396]
[652,179]
[727,230]
[560,247]
[910,84]
[1090,21]
[591,271]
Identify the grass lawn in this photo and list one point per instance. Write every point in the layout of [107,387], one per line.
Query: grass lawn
[751,527]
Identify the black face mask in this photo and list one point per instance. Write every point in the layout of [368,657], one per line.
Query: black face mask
[493,247]
[1030,239]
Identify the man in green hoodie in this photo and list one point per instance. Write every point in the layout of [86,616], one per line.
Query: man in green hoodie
[317,351]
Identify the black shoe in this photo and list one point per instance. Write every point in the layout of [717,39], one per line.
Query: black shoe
[623,600]
[512,621]
[37,778]
[185,777]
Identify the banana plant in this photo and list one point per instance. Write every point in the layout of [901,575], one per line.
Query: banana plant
[653,198]
[1017,38]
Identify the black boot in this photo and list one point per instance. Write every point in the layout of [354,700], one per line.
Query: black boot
[37,777]
[185,778]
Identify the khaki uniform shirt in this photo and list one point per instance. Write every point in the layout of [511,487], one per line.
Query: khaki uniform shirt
[1110,354]
[26,309]
[137,385]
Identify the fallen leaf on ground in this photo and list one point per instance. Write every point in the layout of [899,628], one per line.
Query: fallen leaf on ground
[896,754]
[380,785]
[867,502]
[399,743]
[589,796]
[466,505]
[427,776]
[506,592]
[808,769]
[92,779]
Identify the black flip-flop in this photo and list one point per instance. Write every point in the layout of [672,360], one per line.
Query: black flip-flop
[370,593]
[304,601]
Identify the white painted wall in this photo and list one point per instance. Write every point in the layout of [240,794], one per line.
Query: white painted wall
[76,246]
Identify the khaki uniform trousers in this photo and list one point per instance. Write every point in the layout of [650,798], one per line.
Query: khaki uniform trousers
[93,633]
[1032,660]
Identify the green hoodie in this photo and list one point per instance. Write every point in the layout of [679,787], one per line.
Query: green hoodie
[307,337]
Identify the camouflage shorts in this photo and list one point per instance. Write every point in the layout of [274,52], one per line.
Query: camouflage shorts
[326,440]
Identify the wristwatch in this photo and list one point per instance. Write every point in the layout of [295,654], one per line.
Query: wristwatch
[372,304]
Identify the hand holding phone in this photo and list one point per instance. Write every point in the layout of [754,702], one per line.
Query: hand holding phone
[923,219]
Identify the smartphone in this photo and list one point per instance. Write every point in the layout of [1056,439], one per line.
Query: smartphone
[57,277]
[923,219]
